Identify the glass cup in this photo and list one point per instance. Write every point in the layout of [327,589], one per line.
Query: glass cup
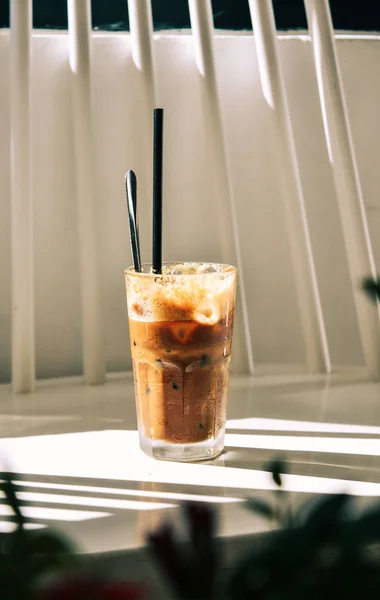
[180,325]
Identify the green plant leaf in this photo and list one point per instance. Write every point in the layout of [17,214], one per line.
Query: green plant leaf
[364,529]
[48,543]
[324,520]
[9,489]
[261,507]
[372,288]
[277,467]
[39,553]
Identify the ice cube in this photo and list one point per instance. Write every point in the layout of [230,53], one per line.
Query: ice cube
[207,313]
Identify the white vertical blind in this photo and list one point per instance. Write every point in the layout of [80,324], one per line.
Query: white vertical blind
[145,82]
[316,346]
[346,176]
[141,40]
[79,18]
[23,350]
[203,31]
[141,30]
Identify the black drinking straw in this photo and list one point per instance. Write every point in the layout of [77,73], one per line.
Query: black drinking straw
[131,191]
[158,123]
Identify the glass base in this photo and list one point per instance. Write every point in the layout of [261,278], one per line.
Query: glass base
[205,450]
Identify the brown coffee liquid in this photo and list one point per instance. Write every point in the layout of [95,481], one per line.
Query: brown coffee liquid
[181,378]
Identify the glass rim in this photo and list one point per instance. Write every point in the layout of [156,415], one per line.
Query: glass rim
[227,270]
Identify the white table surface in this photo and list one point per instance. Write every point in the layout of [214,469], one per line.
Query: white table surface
[81,470]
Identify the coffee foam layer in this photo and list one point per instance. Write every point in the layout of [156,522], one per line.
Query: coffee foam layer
[175,296]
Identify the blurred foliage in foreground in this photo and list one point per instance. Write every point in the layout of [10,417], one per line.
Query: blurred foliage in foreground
[372,288]
[324,549]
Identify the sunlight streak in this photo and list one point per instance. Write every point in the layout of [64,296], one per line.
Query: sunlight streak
[129,492]
[261,424]
[9,526]
[331,445]
[53,514]
[115,455]
[91,501]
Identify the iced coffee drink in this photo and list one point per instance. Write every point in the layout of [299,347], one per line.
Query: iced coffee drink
[181,324]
